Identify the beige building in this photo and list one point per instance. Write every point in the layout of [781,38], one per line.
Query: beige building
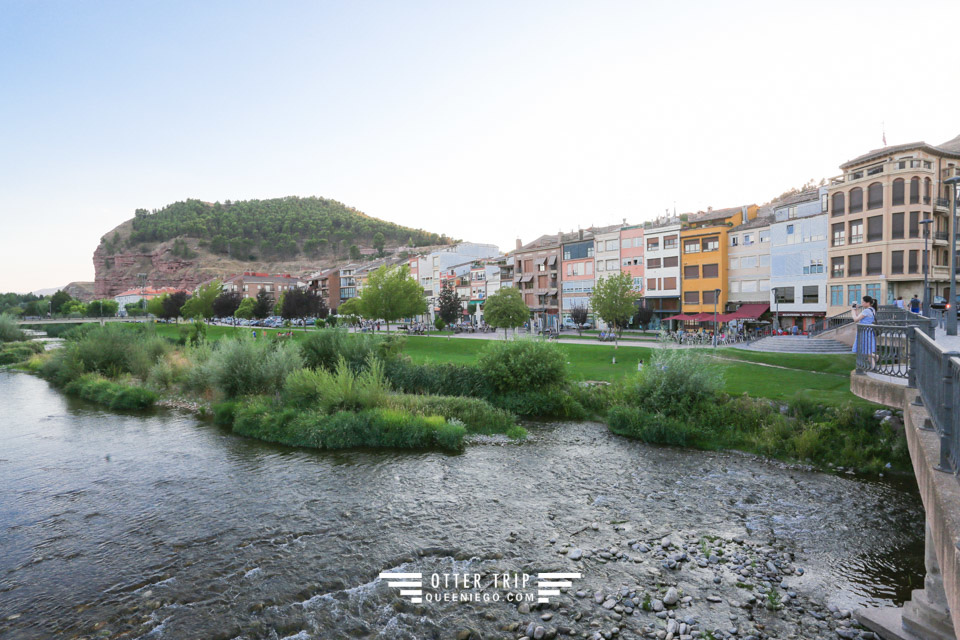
[748,274]
[876,236]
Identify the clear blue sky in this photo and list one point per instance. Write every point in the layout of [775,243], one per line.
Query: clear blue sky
[486,120]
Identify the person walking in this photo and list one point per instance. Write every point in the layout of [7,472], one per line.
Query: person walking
[915,304]
[899,302]
[865,314]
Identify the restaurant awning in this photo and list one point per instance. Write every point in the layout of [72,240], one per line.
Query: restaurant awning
[749,311]
[689,317]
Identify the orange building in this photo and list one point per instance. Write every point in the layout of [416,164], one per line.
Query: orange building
[703,257]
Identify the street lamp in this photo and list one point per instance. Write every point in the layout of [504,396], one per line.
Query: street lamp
[926,222]
[716,297]
[951,303]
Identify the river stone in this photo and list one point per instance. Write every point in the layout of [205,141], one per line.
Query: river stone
[714,599]
[609,604]
[538,633]
[657,605]
[575,554]
[546,617]
[672,596]
[524,608]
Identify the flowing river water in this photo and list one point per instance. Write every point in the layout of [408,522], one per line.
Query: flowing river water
[161,525]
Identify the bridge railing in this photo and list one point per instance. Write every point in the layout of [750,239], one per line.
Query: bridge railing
[937,380]
[884,349]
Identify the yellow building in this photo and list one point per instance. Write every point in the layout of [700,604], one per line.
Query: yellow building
[703,257]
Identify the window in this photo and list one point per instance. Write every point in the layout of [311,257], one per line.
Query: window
[589,268]
[815,266]
[764,285]
[839,235]
[836,267]
[898,186]
[653,244]
[653,263]
[610,245]
[651,284]
[748,286]
[734,263]
[873,290]
[926,191]
[853,293]
[896,262]
[874,228]
[811,294]
[914,224]
[764,236]
[915,191]
[748,262]
[838,204]
[638,284]
[669,283]
[691,246]
[856,231]
[874,264]
[747,239]
[855,265]
[823,203]
[836,295]
[764,259]
[709,297]
[625,243]
[875,196]
[671,261]
[734,286]
[600,265]
[578,250]
[856,200]
[711,244]
[734,240]
[784,295]
[691,272]
[790,229]
[792,212]
[691,297]
[896,232]
[670,242]
[914,264]
[711,271]
[611,265]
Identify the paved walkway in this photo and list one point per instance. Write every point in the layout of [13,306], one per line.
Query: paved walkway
[949,343]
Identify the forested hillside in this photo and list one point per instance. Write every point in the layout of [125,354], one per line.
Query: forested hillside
[276,229]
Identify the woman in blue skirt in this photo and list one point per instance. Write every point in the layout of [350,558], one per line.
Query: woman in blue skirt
[866,314]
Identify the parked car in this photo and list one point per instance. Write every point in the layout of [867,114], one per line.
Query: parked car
[570,324]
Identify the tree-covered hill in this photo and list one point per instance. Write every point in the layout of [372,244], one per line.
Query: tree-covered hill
[277,229]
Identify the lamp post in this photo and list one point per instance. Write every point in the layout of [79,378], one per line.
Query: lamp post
[951,303]
[716,298]
[926,222]
[776,310]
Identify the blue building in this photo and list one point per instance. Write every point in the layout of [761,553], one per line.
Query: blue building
[798,259]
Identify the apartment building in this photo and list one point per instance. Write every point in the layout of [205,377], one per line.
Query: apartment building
[878,209]
[537,275]
[798,259]
[704,244]
[632,250]
[250,283]
[439,261]
[662,268]
[326,284]
[607,251]
[748,272]
[577,271]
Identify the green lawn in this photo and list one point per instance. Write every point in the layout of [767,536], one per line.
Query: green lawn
[823,378]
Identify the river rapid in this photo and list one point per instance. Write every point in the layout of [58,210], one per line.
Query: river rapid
[160,525]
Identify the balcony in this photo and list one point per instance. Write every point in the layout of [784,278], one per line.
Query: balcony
[942,204]
[943,236]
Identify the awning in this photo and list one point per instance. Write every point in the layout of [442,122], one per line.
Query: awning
[690,317]
[541,261]
[551,292]
[526,279]
[552,261]
[750,311]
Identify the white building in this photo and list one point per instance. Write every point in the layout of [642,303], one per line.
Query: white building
[662,268]
[748,275]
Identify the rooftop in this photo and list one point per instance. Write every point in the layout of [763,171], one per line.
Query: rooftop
[950,148]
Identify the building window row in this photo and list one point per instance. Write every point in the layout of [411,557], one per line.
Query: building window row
[875,196]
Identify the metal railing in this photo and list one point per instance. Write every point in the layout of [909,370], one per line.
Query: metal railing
[937,380]
[941,235]
[833,322]
[942,202]
[884,349]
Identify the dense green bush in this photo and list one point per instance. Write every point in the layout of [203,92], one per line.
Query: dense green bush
[649,427]
[245,366]
[266,419]
[9,330]
[324,349]
[344,389]
[673,382]
[444,379]
[54,330]
[14,352]
[532,365]
[110,394]
[478,416]
[552,403]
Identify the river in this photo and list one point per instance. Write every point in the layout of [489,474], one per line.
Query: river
[160,525]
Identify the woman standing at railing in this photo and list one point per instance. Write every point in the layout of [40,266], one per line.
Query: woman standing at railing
[866,314]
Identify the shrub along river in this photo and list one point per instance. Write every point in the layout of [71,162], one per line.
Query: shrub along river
[159,525]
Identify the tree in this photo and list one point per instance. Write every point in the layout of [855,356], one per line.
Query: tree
[391,294]
[301,304]
[472,309]
[263,306]
[172,304]
[378,242]
[644,316]
[134,309]
[449,304]
[354,252]
[102,308]
[57,301]
[439,323]
[506,309]
[350,310]
[200,305]
[579,316]
[613,299]
[155,305]
[227,303]
[245,309]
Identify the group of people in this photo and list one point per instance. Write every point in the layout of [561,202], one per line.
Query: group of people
[915,303]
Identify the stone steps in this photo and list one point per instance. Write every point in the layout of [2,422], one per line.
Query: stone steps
[798,344]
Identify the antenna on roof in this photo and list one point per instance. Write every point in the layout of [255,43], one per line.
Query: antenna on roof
[883,126]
